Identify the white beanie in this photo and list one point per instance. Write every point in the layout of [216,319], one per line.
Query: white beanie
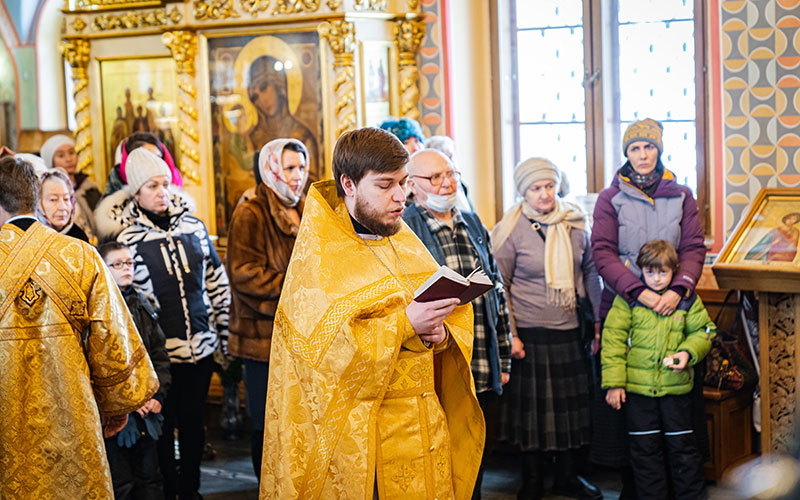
[51,145]
[141,166]
[36,162]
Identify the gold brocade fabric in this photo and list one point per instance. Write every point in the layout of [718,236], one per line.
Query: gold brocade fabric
[352,399]
[52,288]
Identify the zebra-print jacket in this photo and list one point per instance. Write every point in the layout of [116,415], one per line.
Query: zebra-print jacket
[180,267]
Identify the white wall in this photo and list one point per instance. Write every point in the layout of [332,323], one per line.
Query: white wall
[471,101]
[49,68]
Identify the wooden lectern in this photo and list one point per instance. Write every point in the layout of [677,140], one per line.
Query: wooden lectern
[762,255]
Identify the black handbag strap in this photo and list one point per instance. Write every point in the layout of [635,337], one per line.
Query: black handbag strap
[538,228]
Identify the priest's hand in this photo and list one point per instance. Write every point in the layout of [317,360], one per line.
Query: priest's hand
[427,318]
[112,425]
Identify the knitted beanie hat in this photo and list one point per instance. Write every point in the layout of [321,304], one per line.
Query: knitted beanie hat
[404,128]
[142,165]
[51,145]
[648,130]
[536,169]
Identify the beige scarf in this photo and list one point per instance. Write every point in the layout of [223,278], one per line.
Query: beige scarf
[558,267]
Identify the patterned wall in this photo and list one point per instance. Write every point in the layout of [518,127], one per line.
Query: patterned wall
[431,71]
[761,93]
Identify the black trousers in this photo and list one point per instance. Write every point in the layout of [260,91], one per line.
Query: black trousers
[656,425]
[184,409]
[134,471]
[256,374]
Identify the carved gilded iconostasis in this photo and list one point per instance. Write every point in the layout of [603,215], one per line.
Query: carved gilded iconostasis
[217,79]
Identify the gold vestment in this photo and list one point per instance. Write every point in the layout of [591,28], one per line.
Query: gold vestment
[354,398]
[53,388]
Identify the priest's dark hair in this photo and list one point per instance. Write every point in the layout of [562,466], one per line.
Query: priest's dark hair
[360,151]
[20,186]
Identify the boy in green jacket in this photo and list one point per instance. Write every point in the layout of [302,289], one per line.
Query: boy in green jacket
[645,358]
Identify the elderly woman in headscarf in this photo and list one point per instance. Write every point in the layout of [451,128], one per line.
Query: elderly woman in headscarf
[59,152]
[56,207]
[542,250]
[643,203]
[261,236]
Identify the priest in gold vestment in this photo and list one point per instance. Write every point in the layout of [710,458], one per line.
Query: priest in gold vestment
[370,393]
[54,388]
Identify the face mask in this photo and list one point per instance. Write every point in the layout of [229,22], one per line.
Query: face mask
[440,203]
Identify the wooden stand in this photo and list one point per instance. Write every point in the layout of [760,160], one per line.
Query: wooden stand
[729,421]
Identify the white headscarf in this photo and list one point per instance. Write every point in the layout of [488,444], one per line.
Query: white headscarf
[270,167]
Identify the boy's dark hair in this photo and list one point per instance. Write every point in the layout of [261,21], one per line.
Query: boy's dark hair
[19,186]
[109,246]
[360,151]
[657,254]
[293,146]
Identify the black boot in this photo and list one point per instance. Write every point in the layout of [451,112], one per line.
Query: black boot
[532,482]
[568,483]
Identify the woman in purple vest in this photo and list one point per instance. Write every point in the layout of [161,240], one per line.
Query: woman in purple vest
[644,202]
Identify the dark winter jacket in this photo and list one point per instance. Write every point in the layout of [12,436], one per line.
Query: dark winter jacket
[636,340]
[498,333]
[146,320]
[261,237]
[179,266]
[625,219]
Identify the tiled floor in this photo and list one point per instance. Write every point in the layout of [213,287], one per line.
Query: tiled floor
[229,476]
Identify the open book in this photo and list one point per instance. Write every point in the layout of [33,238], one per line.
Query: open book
[446,284]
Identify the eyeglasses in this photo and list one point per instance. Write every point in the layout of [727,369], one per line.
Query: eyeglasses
[436,180]
[121,264]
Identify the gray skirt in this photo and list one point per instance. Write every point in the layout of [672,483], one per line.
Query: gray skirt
[545,405]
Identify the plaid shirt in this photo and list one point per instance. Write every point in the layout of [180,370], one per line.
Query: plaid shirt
[462,257]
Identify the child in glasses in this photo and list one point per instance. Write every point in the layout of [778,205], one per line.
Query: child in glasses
[646,359]
[132,453]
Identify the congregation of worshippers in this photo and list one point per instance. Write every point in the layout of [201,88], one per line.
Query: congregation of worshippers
[399,249]
[580,321]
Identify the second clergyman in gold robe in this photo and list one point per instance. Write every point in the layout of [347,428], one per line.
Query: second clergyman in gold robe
[359,404]
[55,388]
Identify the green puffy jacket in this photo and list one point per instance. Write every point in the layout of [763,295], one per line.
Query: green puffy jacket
[636,340]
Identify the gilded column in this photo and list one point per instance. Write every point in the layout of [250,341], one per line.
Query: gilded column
[183,45]
[408,34]
[76,53]
[341,38]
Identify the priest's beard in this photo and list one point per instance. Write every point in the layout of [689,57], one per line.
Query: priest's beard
[370,218]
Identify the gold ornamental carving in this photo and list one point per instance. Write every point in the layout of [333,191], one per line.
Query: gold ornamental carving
[782,311]
[375,5]
[79,24]
[341,38]
[76,53]
[334,4]
[112,4]
[413,4]
[295,6]
[214,9]
[255,6]
[408,35]
[183,46]
[133,19]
